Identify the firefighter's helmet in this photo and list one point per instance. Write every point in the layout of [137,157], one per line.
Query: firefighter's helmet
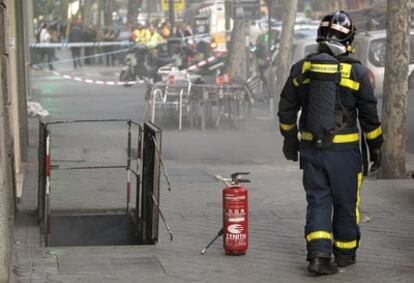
[338,27]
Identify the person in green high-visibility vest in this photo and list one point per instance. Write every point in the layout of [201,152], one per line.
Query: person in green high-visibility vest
[263,56]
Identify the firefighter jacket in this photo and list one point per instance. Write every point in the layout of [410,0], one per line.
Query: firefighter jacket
[356,95]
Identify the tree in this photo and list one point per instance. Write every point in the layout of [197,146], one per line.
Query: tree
[133,12]
[394,108]
[236,60]
[284,48]
[87,20]
[108,8]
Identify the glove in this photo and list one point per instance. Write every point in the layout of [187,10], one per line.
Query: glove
[375,157]
[291,148]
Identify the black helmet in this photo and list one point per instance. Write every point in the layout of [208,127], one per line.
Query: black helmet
[336,27]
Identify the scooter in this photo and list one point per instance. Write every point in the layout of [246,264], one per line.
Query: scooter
[128,72]
[140,62]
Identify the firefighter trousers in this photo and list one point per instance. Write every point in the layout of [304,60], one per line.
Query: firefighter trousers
[332,182]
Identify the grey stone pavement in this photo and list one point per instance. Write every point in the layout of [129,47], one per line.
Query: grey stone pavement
[193,209]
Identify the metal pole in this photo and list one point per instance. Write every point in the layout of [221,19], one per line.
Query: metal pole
[171,15]
[270,80]
[48,207]
[167,226]
[180,110]
[128,172]
[228,6]
[162,164]
[269,23]
[138,178]
[21,81]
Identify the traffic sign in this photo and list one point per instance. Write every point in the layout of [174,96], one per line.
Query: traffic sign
[247,9]
[179,5]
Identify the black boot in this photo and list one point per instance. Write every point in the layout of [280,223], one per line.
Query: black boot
[344,260]
[320,264]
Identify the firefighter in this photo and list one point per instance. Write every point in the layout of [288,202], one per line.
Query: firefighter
[333,92]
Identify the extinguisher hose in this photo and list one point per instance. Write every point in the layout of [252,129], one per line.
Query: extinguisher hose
[219,233]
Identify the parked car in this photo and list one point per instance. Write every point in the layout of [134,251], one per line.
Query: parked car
[301,48]
[370,51]
[302,30]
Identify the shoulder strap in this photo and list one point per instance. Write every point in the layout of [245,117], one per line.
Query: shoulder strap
[311,55]
[347,59]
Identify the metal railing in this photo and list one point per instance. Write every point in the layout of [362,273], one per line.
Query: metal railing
[146,211]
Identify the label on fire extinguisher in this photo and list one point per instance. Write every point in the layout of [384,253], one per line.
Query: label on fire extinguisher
[235,228]
[236,231]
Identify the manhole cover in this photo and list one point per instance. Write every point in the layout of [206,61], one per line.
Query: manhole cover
[141,265]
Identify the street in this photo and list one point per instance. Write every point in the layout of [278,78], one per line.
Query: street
[125,124]
[193,207]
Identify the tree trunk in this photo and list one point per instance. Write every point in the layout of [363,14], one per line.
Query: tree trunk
[132,12]
[87,18]
[394,108]
[286,38]
[152,6]
[236,60]
[108,9]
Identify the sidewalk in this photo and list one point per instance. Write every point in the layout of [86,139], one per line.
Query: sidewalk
[193,209]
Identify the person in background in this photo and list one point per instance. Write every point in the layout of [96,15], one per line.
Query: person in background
[61,27]
[263,59]
[45,37]
[155,38]
[109,36]
[165,29]
[75,36]
[87,37]
[183,30]
[140,35]
[53,31]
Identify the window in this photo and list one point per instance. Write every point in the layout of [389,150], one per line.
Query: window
[377,51]
[312,48]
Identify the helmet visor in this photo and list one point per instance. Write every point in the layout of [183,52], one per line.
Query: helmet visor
[324,28]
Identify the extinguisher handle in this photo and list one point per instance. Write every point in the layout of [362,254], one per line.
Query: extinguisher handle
[239,173]
[235,177]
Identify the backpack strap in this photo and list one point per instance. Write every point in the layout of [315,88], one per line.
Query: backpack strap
[347,59]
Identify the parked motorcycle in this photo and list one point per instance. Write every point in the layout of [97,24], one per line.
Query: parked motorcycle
[143,62]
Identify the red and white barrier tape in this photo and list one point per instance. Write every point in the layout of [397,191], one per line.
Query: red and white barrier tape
[202,63]
[91,81]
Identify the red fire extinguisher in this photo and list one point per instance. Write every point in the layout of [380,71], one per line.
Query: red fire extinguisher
[235,216]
